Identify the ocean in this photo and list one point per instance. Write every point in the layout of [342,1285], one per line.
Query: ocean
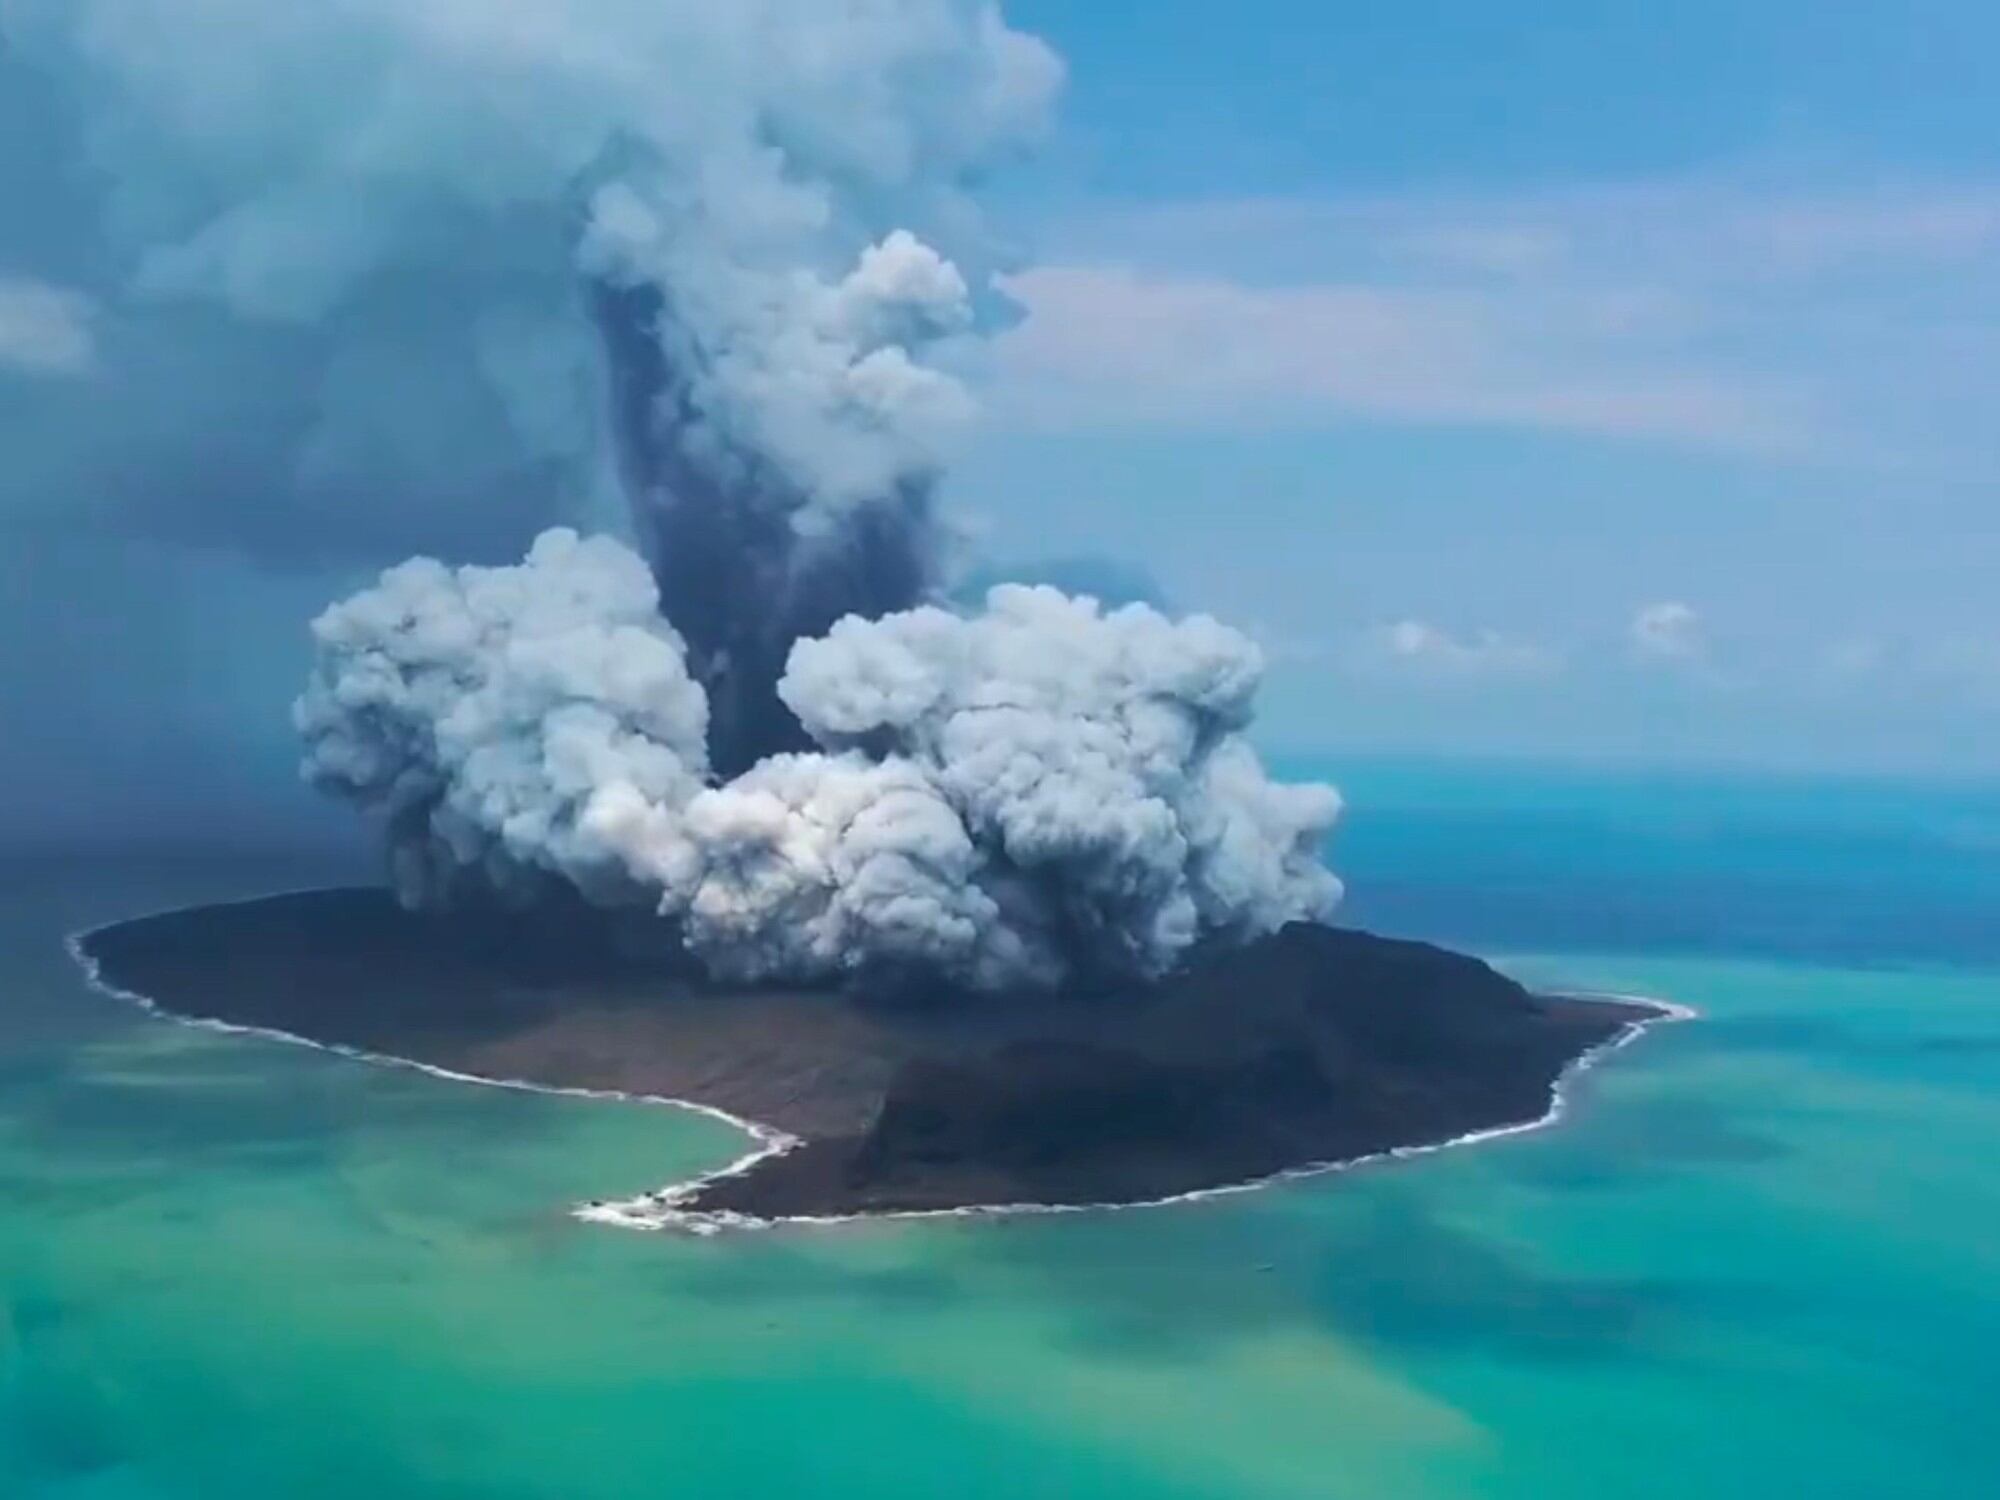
[1759,1257]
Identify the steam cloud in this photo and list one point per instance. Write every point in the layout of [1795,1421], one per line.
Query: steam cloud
[421,272]
[1036,794]
[482,713]
[350,252]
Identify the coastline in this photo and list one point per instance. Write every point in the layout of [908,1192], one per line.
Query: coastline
[662,1209]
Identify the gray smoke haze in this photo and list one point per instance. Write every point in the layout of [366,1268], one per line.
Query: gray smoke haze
[336,282]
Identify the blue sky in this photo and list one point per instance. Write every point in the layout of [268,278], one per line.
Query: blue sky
[1171,97]
[1605,381]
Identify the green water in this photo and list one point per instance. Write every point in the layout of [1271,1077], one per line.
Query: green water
[1759,1260]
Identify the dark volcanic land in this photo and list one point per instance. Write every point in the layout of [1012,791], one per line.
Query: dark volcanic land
[1315,1046]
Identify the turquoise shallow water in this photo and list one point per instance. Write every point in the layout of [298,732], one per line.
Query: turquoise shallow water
[1759,1259]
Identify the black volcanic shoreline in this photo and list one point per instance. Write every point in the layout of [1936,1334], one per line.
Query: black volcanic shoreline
[1314,1047]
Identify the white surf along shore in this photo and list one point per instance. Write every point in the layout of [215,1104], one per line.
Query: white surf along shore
[664,1208]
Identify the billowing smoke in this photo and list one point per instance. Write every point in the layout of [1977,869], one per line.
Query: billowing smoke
[366,268]
[818,866]
[363,275]
[1040,793]
[815,497]
[1097,760]
[481,714]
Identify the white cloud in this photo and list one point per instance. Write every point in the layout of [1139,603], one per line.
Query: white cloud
[1710,229]
[1668,632]
[1419,649]
[1107,342]
[1954,666]
[45,330]
[1722,312]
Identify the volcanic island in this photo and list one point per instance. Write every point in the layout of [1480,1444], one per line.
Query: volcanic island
[1311,1048]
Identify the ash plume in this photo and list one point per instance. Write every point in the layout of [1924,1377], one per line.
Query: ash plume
[480,715]
[1096,759]
[1039,794]
[374,276]
[724,521]
[348,255]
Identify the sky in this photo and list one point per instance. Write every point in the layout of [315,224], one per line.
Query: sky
[1595,382]
[1599,383]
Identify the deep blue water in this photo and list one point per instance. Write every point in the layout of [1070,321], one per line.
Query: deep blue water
[1834,870]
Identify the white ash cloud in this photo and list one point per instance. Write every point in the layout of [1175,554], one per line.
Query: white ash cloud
[334,214]
[480,715]
[1097,758]
[433,274]
[817,866]
[1040,793]
[822,380]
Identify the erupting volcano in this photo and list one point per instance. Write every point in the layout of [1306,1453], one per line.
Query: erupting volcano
[995,905]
